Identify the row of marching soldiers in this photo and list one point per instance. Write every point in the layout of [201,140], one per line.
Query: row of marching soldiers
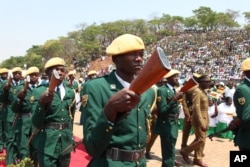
[37,114]
[203,104]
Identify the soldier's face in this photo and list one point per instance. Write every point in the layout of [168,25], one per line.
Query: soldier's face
[34,78]
[4,76]
[130,63]
[61,71]
[17,75]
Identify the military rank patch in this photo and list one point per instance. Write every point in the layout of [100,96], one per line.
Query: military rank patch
[159,98]
[32,99]
[241,100]
[84,100]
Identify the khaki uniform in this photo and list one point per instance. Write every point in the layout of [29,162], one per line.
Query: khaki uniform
[188,111]
[199,119]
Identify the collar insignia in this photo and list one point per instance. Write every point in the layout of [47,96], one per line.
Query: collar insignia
[241,100]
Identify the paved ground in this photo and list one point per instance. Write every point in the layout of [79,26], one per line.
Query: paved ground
[216,151]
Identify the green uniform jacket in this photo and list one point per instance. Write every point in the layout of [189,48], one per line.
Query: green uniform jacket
[19,107]
[242,103]
[128,133]
[11,97]
[2,98]
[57,111]
[165,125]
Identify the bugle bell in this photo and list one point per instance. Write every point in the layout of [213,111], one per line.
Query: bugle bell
[54,81]
[188,85]
[155,68]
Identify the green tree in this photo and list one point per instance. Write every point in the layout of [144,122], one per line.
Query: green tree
[206,18]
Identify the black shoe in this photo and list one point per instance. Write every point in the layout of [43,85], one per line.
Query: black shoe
[148,156]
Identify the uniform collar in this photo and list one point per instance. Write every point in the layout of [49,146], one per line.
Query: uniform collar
[124,83]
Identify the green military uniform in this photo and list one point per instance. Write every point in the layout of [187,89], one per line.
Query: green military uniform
[2,106]
[9,116]
[55,125]
[167,124]
[23,125]
[241,101]
[109,143]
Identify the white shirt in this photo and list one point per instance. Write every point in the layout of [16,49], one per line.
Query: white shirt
[212,121]
[223,109]
[125,84]
[229,92]
[62,90]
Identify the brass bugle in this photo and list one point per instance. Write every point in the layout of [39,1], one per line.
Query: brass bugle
[54,81]
[189,84]
[26,85]
[155,68]
[10,79]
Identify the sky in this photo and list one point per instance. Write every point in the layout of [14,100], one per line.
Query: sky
[24,23]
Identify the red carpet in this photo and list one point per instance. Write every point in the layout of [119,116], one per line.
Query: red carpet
[79,157]
[2,158]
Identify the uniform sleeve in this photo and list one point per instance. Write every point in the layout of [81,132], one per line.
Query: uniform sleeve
[38,115]
[197,108]
[97,129]
[242,104]
[163,104]
[184,105]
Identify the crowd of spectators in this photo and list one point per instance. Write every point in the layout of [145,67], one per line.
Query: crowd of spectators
[217,53]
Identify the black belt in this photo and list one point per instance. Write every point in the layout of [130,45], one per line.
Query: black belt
[173,116]
[26,114]
[54,125]
[124,155]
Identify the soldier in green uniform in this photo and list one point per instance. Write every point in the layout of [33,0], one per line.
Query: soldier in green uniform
[200,122]
[3,81]
[11,89]
[52,117]
[23,109]
[71,82]
[167,121]
[242,103]
[115,118]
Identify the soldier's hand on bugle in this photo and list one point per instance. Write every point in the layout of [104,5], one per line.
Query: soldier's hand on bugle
[7,87]
[121,103]
[176,97]
[22,94]
[46,97]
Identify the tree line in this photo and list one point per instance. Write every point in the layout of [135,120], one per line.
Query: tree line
[89,42]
